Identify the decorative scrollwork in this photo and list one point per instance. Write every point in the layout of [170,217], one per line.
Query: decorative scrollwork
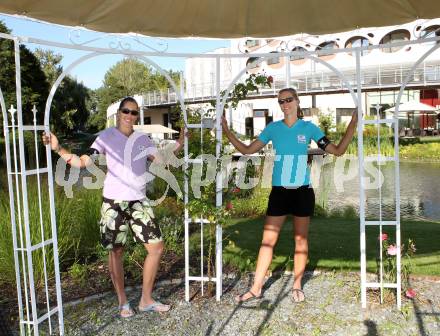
[283,45]
[122,42]
[420,30]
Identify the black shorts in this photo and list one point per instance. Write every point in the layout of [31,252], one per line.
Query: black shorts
[291,201]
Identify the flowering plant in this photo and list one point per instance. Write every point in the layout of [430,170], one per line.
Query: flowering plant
[389,252]
[241,90]
[204,206]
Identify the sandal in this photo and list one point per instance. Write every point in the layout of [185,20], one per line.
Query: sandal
[127,309]
[297,297]
[156,307]
[239,299]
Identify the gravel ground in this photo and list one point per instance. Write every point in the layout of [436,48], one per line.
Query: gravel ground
[332,307]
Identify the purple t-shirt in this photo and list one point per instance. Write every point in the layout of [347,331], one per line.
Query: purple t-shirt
[126,158]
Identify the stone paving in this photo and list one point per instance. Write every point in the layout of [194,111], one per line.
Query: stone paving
[332,307]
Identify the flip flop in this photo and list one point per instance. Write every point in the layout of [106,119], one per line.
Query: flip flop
[156,307]
[125,307]
[253,297]
[298,295]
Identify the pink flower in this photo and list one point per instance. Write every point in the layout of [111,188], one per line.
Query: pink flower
[383,236]
[236,190]
[410,293]
[229,206]
[392,250]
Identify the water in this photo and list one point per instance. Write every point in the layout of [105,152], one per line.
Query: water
[419,191]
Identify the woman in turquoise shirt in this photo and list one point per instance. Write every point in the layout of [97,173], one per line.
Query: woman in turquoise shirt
[291,191]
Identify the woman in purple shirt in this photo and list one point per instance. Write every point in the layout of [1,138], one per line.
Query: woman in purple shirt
[124,204]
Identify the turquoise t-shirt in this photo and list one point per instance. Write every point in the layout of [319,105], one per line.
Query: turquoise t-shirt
[290,145]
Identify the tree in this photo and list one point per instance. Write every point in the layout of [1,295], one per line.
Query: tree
[70,108]
[325,122]
[160,82]
[96,120]
[50,64]
[127,78]
[34,86]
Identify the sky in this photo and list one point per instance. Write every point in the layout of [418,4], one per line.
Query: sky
[91,73]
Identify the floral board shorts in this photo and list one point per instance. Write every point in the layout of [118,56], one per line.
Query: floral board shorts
[117,217]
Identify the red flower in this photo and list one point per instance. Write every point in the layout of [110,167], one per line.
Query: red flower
[383,236]
[229,206]
[270,79]
[410,293]
[236,190]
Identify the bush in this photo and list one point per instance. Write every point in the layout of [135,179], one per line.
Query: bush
[169,207]
[253,205]
[172,233]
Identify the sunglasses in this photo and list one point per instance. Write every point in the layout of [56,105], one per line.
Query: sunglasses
[286,100]
[128,111]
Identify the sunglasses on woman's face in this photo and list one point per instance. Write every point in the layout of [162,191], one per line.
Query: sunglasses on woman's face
[128,111]
[286,100]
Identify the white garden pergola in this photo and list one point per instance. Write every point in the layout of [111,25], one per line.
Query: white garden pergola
[31,314]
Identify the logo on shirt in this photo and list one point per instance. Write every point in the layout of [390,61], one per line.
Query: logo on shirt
[301,139]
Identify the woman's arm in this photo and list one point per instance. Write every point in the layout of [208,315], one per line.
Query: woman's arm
[341,147]
[252,148]
[70,158]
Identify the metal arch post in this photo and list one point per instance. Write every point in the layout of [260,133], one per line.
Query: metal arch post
[397,171]
[40,211]
[20,219]
[361,184]
[185,196]
[24,185]
[288,71]
[219,201]
[27,271]
[12,210]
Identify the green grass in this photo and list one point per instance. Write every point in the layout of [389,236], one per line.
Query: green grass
[333,245]
[423,151]
[77,229]
[416,149]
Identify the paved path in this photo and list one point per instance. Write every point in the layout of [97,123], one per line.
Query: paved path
[332,308]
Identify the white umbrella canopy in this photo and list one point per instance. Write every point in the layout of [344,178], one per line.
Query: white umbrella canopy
[413,106]
[225,18]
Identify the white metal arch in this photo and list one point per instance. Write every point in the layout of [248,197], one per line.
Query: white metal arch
[397,173]
[6,133]
[219,109]
[35,320]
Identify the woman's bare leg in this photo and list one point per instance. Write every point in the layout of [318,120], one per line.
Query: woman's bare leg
[272,227]
[301,227]
[151,265]
[116,269]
